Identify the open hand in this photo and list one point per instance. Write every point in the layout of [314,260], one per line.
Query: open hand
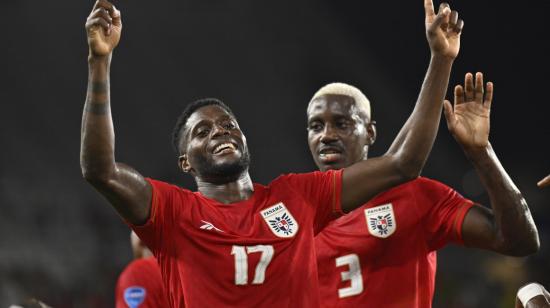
[468,121]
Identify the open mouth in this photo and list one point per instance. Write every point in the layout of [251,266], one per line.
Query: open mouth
[330,154]
[224,148]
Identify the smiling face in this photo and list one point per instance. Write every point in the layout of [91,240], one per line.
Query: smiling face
[213,146]
[339,133]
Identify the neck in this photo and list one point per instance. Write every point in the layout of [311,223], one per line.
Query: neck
[235,191]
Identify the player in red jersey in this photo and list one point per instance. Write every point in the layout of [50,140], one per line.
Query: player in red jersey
[140,284]
[384,253]
[235,243]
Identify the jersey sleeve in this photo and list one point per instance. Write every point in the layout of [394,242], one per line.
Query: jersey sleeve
[162,217]
[443,210]
[322,192]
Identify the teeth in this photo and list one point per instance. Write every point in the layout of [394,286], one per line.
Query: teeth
[222,146]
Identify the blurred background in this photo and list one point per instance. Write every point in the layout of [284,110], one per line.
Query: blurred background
[61,242]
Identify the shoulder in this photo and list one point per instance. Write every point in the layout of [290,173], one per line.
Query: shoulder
[161,185]
[166,192]
[305,178]
[427,185]
[418,188]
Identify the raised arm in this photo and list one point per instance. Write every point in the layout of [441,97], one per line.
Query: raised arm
[125,188]
[407,155]
[508,228]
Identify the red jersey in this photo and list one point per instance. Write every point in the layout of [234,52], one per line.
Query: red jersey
[383,254]
[140,285]
[258,252]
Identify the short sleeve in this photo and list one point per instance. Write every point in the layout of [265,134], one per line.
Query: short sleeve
[443,210]
[162,216]
[322,191]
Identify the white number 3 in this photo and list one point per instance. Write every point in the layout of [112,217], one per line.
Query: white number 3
[354,274]
[241,263]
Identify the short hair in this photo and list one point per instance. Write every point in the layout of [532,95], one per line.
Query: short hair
[188,111]
[339,88]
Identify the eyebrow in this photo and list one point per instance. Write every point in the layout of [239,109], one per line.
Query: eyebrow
[196,126]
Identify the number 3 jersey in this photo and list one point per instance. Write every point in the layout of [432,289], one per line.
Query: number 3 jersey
[383,254]
[258,252]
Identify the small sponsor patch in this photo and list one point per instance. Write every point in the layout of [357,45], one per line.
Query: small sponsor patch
[381,220]
[280,220]
[134,296]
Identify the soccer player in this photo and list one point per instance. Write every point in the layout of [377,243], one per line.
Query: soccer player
[140,284]
[532,295]
[384,253]
[235,243]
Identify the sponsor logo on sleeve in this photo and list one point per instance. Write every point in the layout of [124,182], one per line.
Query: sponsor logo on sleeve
[381,220]
[134,296]
[280,221]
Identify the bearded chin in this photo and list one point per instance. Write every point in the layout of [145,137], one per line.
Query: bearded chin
[223,173]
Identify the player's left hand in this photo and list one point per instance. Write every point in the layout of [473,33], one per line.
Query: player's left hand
[443,29]
[468,121]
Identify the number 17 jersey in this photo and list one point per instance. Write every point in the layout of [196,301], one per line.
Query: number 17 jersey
[258,252]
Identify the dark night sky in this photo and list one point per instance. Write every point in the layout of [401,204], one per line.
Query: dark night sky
[60,241]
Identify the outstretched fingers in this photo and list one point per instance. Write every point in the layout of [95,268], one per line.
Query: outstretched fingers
[459,95]
[488,95]
[469,87]
[478,92]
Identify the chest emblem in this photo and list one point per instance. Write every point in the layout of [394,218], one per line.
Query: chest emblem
[280,221]
[381,220]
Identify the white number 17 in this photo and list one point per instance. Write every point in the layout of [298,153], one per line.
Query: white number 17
[241,263]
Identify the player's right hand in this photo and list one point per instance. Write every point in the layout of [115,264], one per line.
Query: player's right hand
[443,29]
[544,182]
[104,26]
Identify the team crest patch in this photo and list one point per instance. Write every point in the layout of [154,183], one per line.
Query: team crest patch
[381,220]
[280,221]
[134,296]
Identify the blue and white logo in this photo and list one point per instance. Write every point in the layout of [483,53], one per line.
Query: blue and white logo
[280,220]
[134,296]
[381,220]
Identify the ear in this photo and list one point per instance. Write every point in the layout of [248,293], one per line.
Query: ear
[371,132]
[183,163]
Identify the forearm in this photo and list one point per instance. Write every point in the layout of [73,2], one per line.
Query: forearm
[97,134]
[408,153]
[513,228]
[414,142]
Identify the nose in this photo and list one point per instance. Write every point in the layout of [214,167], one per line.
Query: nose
[328,135]
[219,130]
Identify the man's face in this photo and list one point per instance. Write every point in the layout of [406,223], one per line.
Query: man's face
[214,146]
[337,132]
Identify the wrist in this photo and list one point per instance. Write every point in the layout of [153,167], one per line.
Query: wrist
[95,60]
[440,58]
[478,154]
